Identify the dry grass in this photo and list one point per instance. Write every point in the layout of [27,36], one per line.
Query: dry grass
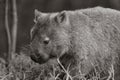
[23,68]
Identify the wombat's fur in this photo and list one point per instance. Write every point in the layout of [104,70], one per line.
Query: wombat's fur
[91,34]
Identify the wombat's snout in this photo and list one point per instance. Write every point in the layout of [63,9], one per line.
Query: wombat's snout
[38,57]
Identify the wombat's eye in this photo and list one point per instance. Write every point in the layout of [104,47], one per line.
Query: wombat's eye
[46,41]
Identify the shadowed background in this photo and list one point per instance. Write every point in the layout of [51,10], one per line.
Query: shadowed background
[25,10]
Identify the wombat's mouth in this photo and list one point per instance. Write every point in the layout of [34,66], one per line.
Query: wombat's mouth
[39,58]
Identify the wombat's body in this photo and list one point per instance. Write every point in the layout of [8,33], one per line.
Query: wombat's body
[91,34]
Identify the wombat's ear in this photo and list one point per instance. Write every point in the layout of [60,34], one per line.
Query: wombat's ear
[61,17]
[38,14]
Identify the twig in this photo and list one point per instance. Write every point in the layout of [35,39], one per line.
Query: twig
[4,77]
[66,71]
[53,75]
[14,29]
[111,73]
[8,31]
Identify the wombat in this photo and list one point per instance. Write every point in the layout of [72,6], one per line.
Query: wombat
[92,34]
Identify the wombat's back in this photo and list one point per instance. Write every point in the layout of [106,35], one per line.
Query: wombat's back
[95,35]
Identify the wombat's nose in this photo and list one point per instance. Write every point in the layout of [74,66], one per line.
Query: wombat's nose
[46,41]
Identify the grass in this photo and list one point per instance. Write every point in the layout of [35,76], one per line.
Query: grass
[23,68]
